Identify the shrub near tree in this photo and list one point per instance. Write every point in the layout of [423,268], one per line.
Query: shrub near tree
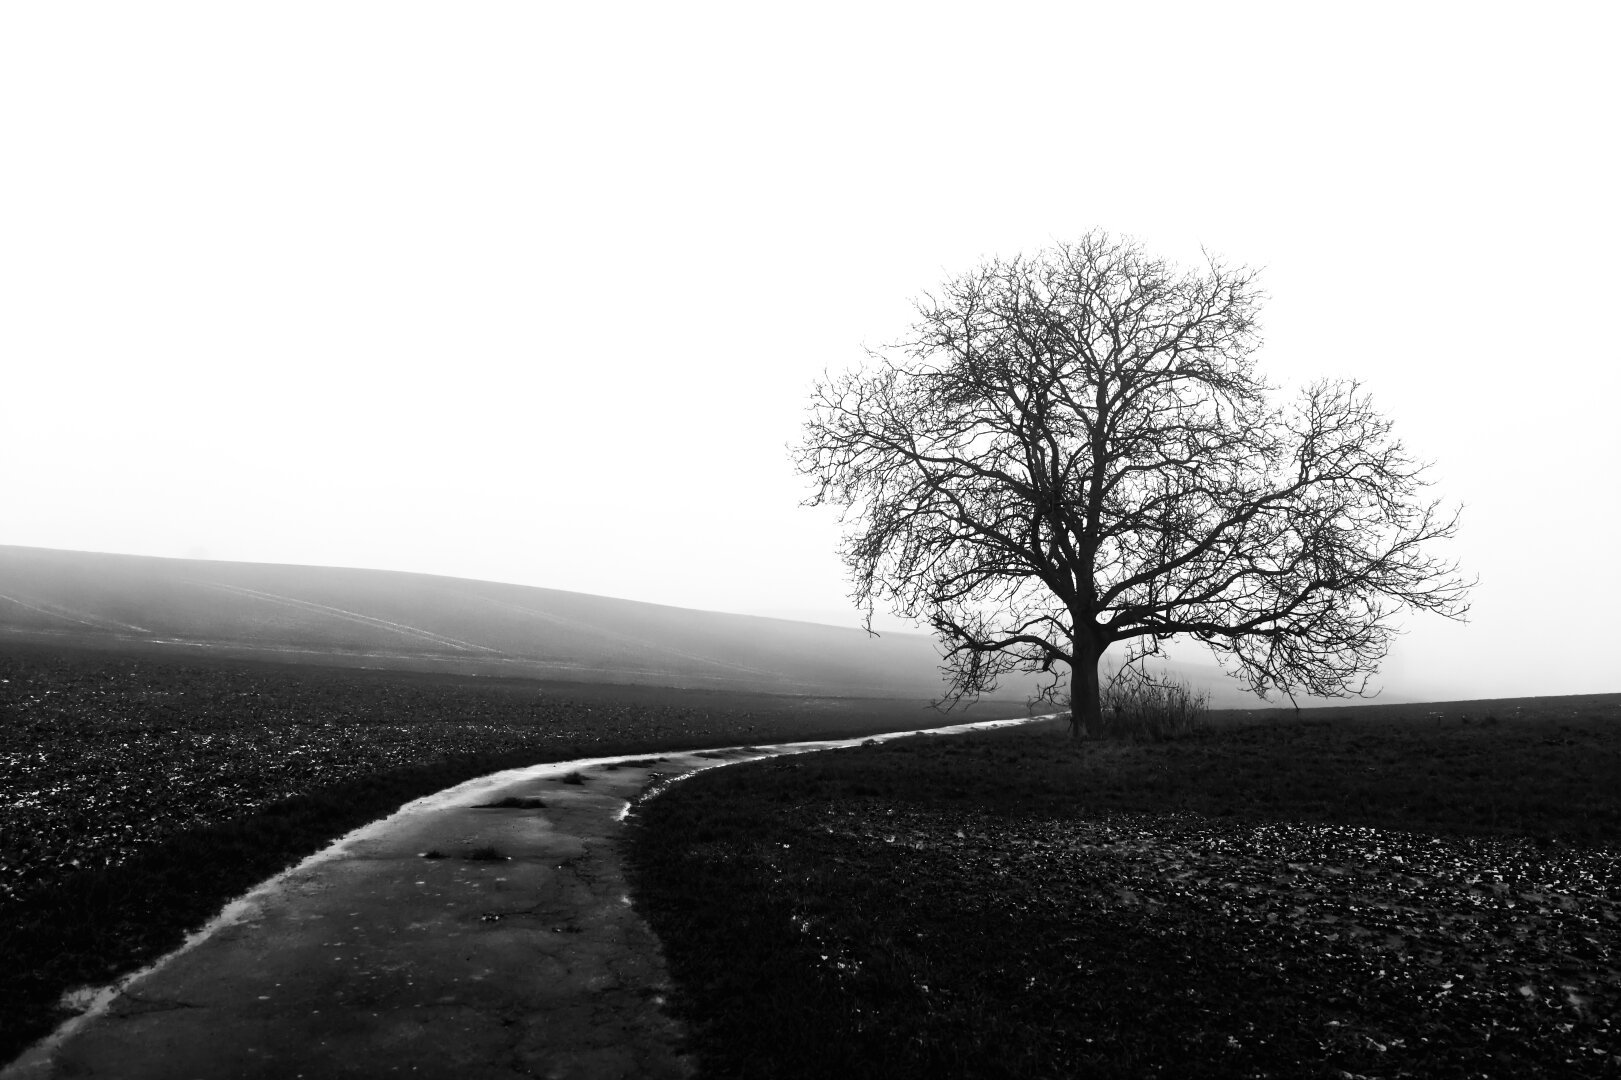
[1137,705]
[1074,450]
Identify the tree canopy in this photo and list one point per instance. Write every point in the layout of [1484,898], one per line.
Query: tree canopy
[1074,450]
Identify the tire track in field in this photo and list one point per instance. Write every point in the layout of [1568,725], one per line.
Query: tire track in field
[576,626]
[97,622]
[352,616]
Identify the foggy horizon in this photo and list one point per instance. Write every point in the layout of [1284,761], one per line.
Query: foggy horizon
[1188,661]
[538,297]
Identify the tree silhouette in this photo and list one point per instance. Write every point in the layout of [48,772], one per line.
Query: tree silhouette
[1074,450]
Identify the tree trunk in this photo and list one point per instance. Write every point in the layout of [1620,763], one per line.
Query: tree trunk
[1085,708]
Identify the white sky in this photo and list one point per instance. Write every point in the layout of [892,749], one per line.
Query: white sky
[536,292]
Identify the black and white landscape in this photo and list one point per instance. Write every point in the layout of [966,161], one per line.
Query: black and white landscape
[393,395]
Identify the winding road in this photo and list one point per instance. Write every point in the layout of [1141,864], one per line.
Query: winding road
[512,952]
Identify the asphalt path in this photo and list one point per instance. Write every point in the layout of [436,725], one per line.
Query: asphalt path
[451,938]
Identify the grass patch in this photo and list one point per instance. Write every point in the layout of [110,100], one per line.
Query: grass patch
[1414,895]
[514,802]
[574,778]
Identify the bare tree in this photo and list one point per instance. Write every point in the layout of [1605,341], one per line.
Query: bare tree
[1074,450]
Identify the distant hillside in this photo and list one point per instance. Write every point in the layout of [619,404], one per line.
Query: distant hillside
[381,618]
[377,618]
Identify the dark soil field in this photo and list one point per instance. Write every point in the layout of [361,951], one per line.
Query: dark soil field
[1421,891]
[139,793]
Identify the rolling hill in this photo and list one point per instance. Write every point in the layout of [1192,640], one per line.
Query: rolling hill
[374,618]
[388,619]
